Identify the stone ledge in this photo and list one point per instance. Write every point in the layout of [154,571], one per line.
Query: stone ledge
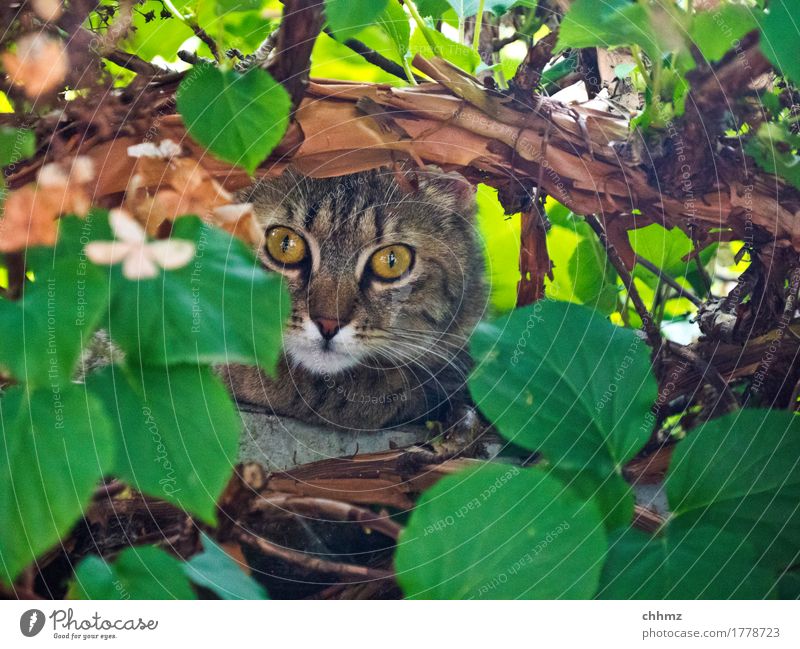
[282,443]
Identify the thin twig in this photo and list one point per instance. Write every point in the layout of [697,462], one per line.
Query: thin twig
[332,509]
[378,60]
[203,36]
[650,329]
[135,64]
[668,279]
[345,571]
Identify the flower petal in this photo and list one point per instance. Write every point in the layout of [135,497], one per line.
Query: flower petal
[172,253]
[139,265]
[125,227]
[105,253]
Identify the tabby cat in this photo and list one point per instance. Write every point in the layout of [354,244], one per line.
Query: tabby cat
[386,280]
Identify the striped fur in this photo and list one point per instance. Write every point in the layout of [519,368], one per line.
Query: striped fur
[401,354]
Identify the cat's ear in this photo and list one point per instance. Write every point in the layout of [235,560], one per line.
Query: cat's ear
[449,190]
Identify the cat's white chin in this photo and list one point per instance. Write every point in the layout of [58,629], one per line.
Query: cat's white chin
[307,349]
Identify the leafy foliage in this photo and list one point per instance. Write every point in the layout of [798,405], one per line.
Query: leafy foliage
[56,445]
[215,570]
[137,573]
[163,420]
[570,380]
[348,17]
[731,485]
[222,305]
[176,432]
[452,549]
[585,400]
[226,112]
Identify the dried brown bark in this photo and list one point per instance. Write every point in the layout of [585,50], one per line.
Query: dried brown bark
[581,154]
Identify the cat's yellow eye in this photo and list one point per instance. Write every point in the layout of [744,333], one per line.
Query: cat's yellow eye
[391,262]
[285,246]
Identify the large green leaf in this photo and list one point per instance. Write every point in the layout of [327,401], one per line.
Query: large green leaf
[137,573]
[348,17]
[56,445]
[15,144]
[714,31]
[500,236]
[741,473]
[460,55]
[594,279]
[780,37]
[157,33]
[667,249]
[57,313]
[464,8]
[433,8]
[558,377]
[238,117]
[610,23]
[221,307]
[500,532]
[395,23]
[612,495]
[214,569]
[177,432]
[700,563]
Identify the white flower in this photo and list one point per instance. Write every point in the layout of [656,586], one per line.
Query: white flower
[165,150]
[140,258]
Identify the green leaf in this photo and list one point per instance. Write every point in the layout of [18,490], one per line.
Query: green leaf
[594,279]
[716,30]
[774,150]
[667,249]
[348,17]
[624,70]
[464,8]
[780,37]
[611,23]
[15,144]
[395,22]
[460,55]
[500,532]
[612,495]
[240,118]
[225,6]
[500,236]
[177,432]
[153,35]
[699,563]
[740,473]
[223,307]
[137,573]
[331,59]
[57,312]
[214,569]
[499,7]
[56,445]
[432,8]
[559,378]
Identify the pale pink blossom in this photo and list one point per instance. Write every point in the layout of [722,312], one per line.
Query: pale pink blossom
[140,258]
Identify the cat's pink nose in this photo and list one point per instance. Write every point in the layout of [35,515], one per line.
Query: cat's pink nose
[328,327]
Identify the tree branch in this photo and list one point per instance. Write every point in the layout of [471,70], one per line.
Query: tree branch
[298,31]
[650,329]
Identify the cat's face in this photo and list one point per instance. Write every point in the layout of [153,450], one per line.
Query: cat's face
[379,275]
